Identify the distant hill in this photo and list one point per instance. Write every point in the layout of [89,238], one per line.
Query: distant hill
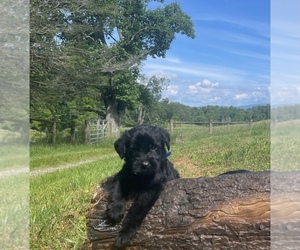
[249,106]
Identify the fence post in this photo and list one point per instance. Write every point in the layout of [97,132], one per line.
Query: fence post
[110,128]
[210,127]
[73,129]
[250,123]
[54,132]
[86,132]
[171,125]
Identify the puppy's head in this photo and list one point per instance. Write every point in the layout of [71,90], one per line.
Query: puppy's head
[143,148]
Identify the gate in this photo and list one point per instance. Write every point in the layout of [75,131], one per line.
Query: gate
[97,131]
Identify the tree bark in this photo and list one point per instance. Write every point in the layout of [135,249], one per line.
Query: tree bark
[141,114]
[223,212]
[112,117]
[285,210]
[112,112]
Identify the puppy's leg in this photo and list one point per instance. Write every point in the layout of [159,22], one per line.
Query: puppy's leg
[136,214]
[116,204]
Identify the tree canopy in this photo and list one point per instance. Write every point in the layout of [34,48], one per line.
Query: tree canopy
[90,52]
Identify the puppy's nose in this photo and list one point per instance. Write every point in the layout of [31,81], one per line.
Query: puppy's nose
[145,164]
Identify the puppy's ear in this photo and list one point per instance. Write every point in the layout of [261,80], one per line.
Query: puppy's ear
[120,144]
[165,138]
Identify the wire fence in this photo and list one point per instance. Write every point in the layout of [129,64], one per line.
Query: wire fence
[210,124]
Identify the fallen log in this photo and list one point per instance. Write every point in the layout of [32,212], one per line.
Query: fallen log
[223,212]
[285,210]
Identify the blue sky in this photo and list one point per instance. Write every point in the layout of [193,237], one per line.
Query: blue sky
[228,63]
[285,52]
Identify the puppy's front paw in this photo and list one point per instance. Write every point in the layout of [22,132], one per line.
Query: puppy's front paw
[124,237]
[114,216]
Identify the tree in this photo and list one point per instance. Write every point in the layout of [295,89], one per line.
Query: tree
[140,35]
[97,46]
[14,64]
[150,94]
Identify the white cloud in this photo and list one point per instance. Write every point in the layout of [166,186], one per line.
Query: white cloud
[206,86]
[242,53]
[283,94]
[246,39]
[195,70]
[259,27]
[173,59]
[241,96]
[172,90]
[162,73]
[216,99]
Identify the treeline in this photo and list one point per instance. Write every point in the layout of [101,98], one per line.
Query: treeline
[286,113]
[164,111]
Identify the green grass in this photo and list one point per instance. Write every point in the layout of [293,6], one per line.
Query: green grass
[14,209]
[59,200]
[14,157]
[197,153]
[43,156]
[285,143]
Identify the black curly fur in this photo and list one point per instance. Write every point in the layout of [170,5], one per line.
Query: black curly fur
[144,173]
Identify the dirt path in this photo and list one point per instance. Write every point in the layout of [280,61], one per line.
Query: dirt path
[12,172]
[52,169]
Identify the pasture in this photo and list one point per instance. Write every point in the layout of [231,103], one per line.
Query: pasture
[60,199]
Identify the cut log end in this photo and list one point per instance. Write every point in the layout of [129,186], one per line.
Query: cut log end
[223,212]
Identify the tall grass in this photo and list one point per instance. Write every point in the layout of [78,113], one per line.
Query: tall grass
[59,200]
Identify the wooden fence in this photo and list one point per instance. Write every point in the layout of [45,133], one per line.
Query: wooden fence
[210,124]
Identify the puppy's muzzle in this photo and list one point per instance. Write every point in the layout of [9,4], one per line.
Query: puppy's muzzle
[142,168]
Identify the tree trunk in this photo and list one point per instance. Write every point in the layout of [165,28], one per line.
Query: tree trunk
[54,132]
[141,114]
[285,210]
[224,212]
[112,110]
[113,116]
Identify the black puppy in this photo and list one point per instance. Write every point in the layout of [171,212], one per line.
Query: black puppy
[144,174]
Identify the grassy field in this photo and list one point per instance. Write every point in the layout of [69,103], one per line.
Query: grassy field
[14,210]
[285,144]
[196,153]
[59,200]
